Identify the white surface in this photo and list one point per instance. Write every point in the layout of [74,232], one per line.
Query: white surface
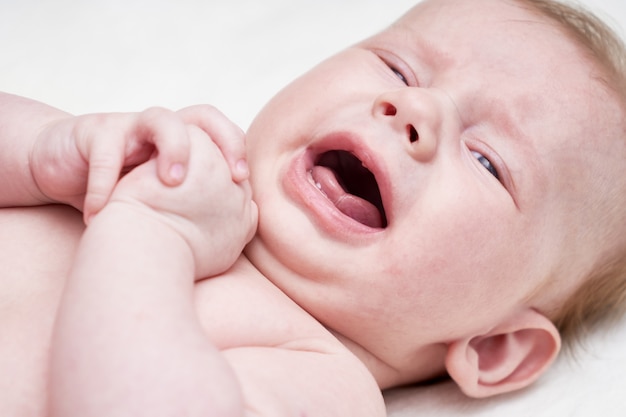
[118,55]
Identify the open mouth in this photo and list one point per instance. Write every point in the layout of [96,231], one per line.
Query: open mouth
[350,186]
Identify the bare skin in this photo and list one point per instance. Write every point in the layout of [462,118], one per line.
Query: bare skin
[36,259]
[28,310]
[291,316]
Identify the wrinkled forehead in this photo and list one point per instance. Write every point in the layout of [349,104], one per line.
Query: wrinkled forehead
[513,32]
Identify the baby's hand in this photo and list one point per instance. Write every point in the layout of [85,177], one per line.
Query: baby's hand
[212,213]
[79,160]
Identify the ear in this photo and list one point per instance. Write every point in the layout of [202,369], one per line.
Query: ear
[510,357]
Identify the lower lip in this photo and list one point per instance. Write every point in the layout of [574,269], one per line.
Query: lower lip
[300,186]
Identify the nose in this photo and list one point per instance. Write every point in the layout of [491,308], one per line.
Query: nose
[417,114]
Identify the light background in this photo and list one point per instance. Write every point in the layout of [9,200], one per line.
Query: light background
[126,55]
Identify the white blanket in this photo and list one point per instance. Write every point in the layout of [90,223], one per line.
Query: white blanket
[118,55]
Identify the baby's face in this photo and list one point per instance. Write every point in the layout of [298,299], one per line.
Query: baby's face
[418,187]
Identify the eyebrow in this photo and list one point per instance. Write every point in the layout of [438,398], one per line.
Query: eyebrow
[506,122]
[428,50]
[432,53]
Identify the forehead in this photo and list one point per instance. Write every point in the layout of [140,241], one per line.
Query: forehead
[498,49]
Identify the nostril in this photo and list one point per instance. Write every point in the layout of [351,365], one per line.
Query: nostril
[413,135]
[390,110]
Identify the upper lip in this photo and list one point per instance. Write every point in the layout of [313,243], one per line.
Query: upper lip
[351,157]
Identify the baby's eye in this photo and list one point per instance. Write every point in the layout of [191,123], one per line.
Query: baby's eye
[486,163]
[399,75]
[397,65]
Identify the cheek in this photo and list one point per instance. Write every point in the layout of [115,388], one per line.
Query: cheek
[480,240]
[460,275]
[458,245]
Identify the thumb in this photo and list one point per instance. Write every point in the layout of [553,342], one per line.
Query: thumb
[104,173]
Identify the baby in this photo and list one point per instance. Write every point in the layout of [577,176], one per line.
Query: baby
[432,201]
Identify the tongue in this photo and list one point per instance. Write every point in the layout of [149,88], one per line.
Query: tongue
[351,205]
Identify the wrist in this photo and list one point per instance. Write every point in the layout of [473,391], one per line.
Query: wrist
[144,232]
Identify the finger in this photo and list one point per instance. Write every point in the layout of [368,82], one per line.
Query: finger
[228,137]
[166,130]
[104,172]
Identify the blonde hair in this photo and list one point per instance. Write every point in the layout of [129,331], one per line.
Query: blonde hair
[602,296]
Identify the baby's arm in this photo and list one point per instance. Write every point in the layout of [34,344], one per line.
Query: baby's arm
[49,156]
[127,340]
[20,122]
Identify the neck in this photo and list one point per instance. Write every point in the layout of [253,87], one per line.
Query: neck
[424,364]
[393,361]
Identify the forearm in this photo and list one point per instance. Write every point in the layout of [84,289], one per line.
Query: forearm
[127,340]
[21,120]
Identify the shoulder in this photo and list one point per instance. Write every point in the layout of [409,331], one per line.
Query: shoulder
[287,362]
[288,380]
[243,308]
